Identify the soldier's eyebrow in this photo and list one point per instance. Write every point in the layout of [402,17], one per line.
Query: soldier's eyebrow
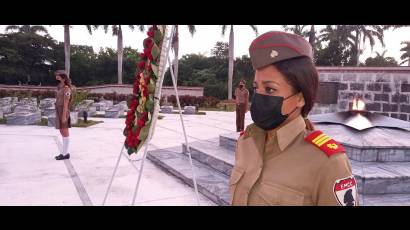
[266,82]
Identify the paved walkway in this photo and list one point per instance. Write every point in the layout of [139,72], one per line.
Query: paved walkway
[29,175]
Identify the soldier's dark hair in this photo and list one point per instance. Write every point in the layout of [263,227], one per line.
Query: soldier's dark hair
[64,76]
[302,75]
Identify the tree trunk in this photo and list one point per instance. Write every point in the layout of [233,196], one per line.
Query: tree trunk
[312,38]
[230,67]
[120,54]
[358,49]
[67,49]
[176,51]
[408,63]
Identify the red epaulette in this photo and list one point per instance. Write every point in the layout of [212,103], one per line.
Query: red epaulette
[325,143]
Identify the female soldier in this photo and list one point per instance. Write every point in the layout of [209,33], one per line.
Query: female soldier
[63,100]
[281,159]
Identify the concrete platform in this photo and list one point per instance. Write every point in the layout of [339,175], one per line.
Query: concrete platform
[29,174]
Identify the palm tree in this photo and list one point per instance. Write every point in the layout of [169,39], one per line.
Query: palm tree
[231,55]
[366,32]
[175,47]
[406,56]
[300,30]
[297,29]
[337,33]
[67,44]
[312,37]
[27,29]
[117,31]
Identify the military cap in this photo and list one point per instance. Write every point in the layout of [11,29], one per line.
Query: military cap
[275,46]
[58,72]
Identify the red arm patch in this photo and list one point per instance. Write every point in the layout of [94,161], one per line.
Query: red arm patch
[325,143]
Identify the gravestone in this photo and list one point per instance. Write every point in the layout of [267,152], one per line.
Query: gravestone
[166,109]
[29,101]
[90,111]
[46,103]
[23,118]
[114,112]
[189,110]
[108,104]
[123,105]
[74,118]
[6,109]
[14,100]
[49,111]
[99,106]
[5,101]
[51,120]
[83,106]
[25,108]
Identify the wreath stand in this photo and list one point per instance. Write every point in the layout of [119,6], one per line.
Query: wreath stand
[164,59]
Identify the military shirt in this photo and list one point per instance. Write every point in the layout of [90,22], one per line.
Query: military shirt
[291,166]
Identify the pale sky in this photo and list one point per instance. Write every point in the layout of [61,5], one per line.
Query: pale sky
[205,38]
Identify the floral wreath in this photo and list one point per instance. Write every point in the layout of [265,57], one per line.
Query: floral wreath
[141,104]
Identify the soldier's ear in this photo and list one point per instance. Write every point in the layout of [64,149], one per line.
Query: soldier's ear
[301,100]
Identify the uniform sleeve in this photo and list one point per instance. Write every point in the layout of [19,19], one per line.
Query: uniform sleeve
[67,94]
[336,185]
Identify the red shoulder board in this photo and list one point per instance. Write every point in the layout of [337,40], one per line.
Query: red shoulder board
[325,143]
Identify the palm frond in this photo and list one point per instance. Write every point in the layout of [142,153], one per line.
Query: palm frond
[115,30]
[191,29]
[13,27]
[255,29]
[35,29]
[223,30]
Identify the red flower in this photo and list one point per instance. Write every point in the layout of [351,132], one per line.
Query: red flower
[144,115]
[145,92]
[141,65]
[141,123]
[150,32]
[142,55]
[148,43]
[147,53]
[149,68]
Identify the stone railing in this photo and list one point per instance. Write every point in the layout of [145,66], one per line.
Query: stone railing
[119,89]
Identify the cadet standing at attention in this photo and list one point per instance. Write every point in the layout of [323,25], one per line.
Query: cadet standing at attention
[242,104]
[280,159]
[62,105]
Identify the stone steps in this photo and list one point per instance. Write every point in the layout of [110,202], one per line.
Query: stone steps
[211,183]
[211,154]
[379,183]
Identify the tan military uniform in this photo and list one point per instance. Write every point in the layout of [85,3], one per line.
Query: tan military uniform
[63,97]
[291,166]
[242,100]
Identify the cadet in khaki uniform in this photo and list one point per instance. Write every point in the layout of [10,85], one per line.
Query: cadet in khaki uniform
[242,102]
[63,121]
[280,159]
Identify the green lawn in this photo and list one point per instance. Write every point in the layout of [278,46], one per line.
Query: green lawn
[82,124]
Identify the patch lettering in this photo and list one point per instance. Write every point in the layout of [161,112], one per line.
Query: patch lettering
[345,191]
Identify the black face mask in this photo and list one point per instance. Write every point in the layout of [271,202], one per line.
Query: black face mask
[266,111]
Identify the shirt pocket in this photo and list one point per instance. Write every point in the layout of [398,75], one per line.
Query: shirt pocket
[236,176]
[276,194]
